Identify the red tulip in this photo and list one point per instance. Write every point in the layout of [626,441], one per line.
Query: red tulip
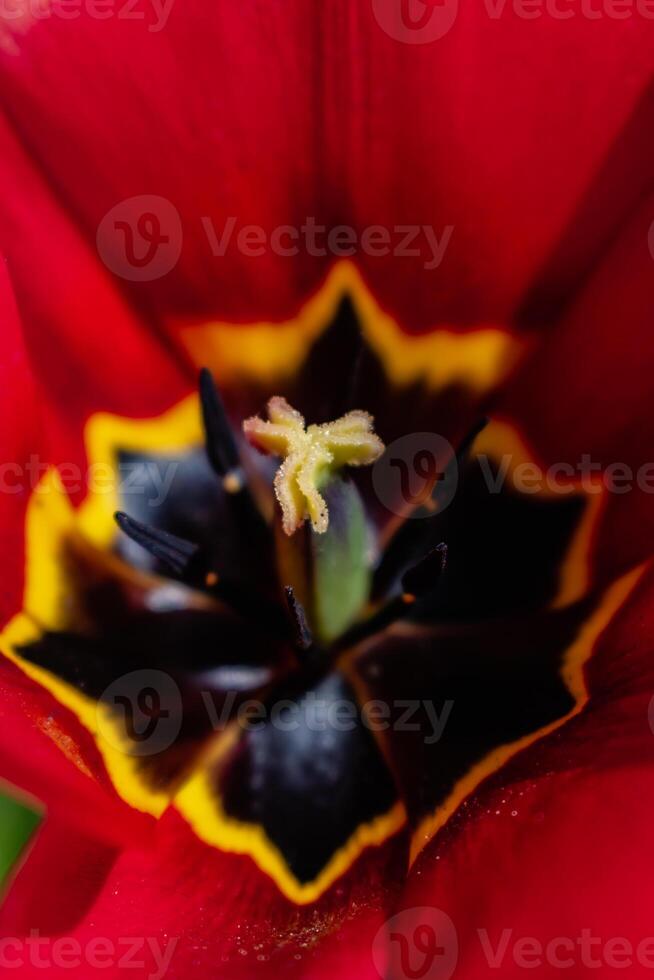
[413,213]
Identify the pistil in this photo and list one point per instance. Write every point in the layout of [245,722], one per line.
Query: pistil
[310,456]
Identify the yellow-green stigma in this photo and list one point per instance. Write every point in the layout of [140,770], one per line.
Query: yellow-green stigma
[310,454]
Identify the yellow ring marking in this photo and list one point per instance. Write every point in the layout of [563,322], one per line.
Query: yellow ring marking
[572,672]
[50,519]
[479,358]
[201,808]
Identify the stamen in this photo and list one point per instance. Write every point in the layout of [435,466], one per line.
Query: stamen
[183,559]
[176,553]
[310,455]
[420,579]
[219,437]
[303,634]
[424,575]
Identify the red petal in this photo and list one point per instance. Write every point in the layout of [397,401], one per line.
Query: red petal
[221,917]
[43,749]
[588,391]
[19,436]
[87,347]
[496,129]
[558,842]
[46,752]
[60,877]
[220,114]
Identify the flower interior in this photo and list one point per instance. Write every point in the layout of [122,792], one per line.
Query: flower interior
[269,578]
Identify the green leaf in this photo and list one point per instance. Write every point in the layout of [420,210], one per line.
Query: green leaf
[341,568]
[18,821]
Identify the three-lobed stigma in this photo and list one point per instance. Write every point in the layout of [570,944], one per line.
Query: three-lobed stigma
[310,455]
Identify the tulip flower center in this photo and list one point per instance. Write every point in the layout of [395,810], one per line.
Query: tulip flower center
[325,573]
[310,599]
